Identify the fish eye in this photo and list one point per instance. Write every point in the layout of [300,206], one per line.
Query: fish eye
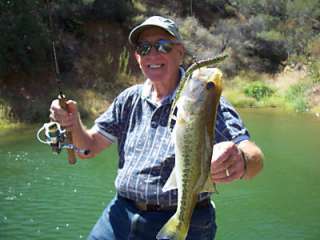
[210,85]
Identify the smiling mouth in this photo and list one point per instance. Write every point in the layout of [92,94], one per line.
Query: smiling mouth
[155,66]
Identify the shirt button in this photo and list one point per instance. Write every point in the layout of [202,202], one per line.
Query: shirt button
[154,124]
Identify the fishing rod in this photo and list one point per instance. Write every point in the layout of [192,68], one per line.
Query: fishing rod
[55,135]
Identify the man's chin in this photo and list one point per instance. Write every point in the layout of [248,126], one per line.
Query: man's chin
[155,76]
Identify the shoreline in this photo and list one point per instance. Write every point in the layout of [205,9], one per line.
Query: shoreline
[5,125]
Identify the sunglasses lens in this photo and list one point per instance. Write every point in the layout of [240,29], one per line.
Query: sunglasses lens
[143,48]
[164,46]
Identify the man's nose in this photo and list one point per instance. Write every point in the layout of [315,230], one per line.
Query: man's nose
[153,51]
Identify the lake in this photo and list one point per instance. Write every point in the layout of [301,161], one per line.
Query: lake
[43,197]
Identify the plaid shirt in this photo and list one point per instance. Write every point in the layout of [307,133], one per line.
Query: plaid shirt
[146,154]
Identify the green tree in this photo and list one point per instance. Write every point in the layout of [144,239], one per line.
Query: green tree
[24,37]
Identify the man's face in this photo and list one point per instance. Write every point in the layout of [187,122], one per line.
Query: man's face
[158,66]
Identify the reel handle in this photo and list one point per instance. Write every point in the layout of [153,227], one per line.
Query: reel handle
[71,154]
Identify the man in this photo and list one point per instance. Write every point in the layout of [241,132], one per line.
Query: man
[137,121]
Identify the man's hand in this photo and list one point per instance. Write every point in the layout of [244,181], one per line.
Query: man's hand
[227,163]
[66,119]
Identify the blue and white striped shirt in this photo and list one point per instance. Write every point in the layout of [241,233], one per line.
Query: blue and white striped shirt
[146,152]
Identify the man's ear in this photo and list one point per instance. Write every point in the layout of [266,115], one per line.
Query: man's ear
[181,51]
[137,57]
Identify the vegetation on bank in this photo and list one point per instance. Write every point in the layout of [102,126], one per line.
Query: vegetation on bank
[300,95]
[274,49]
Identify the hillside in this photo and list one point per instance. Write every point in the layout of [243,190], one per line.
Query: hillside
[275,43]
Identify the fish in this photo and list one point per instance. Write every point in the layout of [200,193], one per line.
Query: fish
[193,135]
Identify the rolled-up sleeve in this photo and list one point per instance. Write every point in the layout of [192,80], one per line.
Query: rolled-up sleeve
[229,126]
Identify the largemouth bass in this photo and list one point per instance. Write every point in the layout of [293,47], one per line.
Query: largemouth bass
[193,136]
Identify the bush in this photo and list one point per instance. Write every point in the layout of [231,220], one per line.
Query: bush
[115,10]
[199,40]
[295,95]
[314,71]
[258,90]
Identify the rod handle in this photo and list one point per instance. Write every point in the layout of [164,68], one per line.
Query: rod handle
[71,154]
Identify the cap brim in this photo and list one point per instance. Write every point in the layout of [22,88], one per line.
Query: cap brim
[134,34]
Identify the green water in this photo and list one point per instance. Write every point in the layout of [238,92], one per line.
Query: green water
[42,197]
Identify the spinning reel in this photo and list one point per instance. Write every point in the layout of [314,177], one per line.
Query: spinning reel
[56,137]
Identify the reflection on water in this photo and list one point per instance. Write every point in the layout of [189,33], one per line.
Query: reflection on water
[43,197]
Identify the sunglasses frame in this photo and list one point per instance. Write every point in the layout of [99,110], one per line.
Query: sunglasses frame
[143,48]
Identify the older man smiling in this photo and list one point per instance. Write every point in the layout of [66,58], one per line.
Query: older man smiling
[137,121]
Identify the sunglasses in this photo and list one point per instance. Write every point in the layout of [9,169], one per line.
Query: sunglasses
[162,46]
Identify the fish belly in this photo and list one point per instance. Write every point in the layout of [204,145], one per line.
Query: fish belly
[190,154]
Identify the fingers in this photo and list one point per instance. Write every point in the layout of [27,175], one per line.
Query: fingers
[229,174]
[221,156]
[227,163]
[72,106]
[65,118]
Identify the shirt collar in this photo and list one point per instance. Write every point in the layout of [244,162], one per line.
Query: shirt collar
[148,88]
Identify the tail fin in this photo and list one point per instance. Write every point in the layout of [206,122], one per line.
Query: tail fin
[173,230]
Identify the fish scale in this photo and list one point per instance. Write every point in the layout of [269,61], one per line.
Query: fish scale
[188,170]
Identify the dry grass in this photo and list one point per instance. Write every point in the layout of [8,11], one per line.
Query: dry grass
[314,98]
[93,102]
[283,80]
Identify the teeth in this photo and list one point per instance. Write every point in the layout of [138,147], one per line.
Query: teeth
[155,65]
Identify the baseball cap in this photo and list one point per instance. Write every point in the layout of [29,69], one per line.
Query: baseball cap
[155,21]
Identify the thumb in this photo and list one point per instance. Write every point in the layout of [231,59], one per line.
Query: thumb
[72,106]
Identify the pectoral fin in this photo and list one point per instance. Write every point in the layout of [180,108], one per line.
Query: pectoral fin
[209,186]
[171,182]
